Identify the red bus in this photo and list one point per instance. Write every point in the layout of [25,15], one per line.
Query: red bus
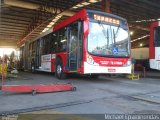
[90,42]
[154,46]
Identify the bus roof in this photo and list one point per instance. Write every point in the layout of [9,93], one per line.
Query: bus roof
[82,15]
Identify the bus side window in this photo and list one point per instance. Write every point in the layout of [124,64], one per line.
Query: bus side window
[52,41]
[62,40]
[41,46]
[47,45]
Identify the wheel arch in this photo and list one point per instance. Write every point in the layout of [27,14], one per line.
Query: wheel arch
[58,58]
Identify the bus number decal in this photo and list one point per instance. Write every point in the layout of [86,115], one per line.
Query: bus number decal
[111,70]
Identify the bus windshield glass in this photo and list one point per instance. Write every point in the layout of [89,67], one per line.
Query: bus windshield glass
[108,40]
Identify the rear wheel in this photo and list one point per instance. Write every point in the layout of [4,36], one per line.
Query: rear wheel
[60,74]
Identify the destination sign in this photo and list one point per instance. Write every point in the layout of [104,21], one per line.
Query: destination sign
[106,19]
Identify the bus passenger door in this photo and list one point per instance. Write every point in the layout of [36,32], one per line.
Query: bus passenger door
[73,46]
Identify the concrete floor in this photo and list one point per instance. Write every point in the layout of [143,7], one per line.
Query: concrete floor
[93,96]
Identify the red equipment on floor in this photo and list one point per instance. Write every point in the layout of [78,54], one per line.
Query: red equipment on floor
[35,88]
[38,88]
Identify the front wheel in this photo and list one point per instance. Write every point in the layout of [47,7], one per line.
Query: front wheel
[59,70]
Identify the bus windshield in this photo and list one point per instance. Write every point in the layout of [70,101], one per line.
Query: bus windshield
[108,40]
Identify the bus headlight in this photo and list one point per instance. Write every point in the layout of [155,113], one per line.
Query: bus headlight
[128,63]
[90,60]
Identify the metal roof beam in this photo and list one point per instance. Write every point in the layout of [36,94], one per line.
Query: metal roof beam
[12,25]
[33,6]
[8,40]
[139,27]
[147,10]
[13,21]
[9,29]
[11,32]
[7,44]
[10,16]
[150,3]
[133,9]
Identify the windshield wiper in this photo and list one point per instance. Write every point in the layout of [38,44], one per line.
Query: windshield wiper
[114,37]
[115,34]
[117,30]
[105,33]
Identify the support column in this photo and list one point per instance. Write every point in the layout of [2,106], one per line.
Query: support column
[106,4]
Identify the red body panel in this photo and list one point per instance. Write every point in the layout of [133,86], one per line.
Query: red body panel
[52,65]
[86,32]
[151,41]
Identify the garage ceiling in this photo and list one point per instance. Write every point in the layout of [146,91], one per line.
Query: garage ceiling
[22,20]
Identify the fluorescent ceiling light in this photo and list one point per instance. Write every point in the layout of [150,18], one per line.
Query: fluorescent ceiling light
[79,5]
[63,40]
[85,3]
[54,20]
[93,1]
[131,32]
[57,17]
[141,44]
[46,29]
[43,30]
[74,7]
[49,25]
[140,38]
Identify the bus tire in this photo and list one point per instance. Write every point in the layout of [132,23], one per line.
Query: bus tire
[60,74]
